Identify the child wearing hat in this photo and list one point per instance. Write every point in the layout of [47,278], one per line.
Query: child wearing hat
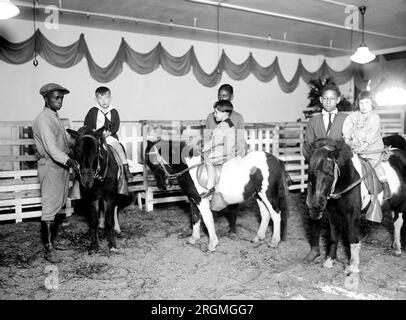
[104,114]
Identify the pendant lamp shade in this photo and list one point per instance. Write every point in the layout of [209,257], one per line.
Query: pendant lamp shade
[8,9]
[363,54]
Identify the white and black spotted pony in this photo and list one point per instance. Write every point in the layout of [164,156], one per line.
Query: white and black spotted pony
[258,174]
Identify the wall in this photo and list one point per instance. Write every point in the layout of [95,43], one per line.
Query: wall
[155,96]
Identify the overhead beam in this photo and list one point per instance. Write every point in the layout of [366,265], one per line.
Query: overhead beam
[180,26]
[288,17]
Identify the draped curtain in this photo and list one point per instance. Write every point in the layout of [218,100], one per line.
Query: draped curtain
[143,63]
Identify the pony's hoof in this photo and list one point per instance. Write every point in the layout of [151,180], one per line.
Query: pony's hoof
[274,243]
[351,282]
[329,263]
[114,250]
[397,253]
[257,239]
[212,246]
[232,235]
[313,254]
[192,241]
[119,234]
[93,251]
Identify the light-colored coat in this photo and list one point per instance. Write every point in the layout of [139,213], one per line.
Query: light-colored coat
[53,147]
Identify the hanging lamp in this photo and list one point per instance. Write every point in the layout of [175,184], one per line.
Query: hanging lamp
[8,9]
[363,54]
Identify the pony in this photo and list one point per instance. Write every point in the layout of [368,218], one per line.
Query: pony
[395,141]
[258,174]
[337,189]
[98,177]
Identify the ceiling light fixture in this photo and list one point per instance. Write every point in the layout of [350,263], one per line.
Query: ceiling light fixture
[363,54]
[8,9]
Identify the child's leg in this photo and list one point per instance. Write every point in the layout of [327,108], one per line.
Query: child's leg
[211,175]
[121,153]
[380,172]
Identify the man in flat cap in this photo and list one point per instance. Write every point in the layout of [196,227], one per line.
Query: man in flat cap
[53,165]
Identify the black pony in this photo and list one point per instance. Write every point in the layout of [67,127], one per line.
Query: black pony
[335,188]
[98,181]
[258,174]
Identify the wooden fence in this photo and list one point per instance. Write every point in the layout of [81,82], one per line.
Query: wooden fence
[19,186]
[20,194]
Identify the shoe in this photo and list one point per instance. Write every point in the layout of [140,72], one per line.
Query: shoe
[387,194]
[127,172]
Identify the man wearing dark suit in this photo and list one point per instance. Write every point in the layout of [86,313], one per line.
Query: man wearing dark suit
[328,124]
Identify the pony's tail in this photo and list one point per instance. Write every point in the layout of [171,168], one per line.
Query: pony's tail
[283,193]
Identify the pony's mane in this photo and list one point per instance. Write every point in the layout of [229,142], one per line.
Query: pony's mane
[330,148]
[86,130]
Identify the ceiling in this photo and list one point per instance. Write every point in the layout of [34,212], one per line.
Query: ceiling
[299,26]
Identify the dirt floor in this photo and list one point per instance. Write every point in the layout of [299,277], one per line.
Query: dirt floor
[154,261]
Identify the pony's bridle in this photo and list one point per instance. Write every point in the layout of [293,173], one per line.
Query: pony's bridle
[337,195]
[96,175]
[161,161]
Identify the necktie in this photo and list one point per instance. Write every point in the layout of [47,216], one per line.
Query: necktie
[329,123]
[106,121]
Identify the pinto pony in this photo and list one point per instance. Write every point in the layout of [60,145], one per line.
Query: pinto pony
[336,188]
[258,174]
[98,181]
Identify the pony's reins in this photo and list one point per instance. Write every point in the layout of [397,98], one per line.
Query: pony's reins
[162,163]
[354,184]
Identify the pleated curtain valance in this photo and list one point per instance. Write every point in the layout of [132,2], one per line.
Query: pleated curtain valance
[143,63]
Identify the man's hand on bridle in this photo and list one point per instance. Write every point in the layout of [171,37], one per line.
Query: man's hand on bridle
[72,163]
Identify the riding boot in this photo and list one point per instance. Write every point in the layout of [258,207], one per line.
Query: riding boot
[59,219]
[127,172]
[50,253]
[387,194]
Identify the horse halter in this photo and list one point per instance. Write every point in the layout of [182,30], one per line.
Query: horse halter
[332,195]
[96,175]
[161,161]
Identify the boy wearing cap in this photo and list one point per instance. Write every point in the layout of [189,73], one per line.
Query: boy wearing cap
[53,164]
[104,114]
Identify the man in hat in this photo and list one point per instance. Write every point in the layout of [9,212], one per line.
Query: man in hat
[53,164]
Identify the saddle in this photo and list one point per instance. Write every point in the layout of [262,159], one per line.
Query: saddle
[122,181]
[372,182]
[207,172]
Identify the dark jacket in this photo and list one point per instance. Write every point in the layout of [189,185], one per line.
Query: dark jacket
[111,125]
[316,129]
